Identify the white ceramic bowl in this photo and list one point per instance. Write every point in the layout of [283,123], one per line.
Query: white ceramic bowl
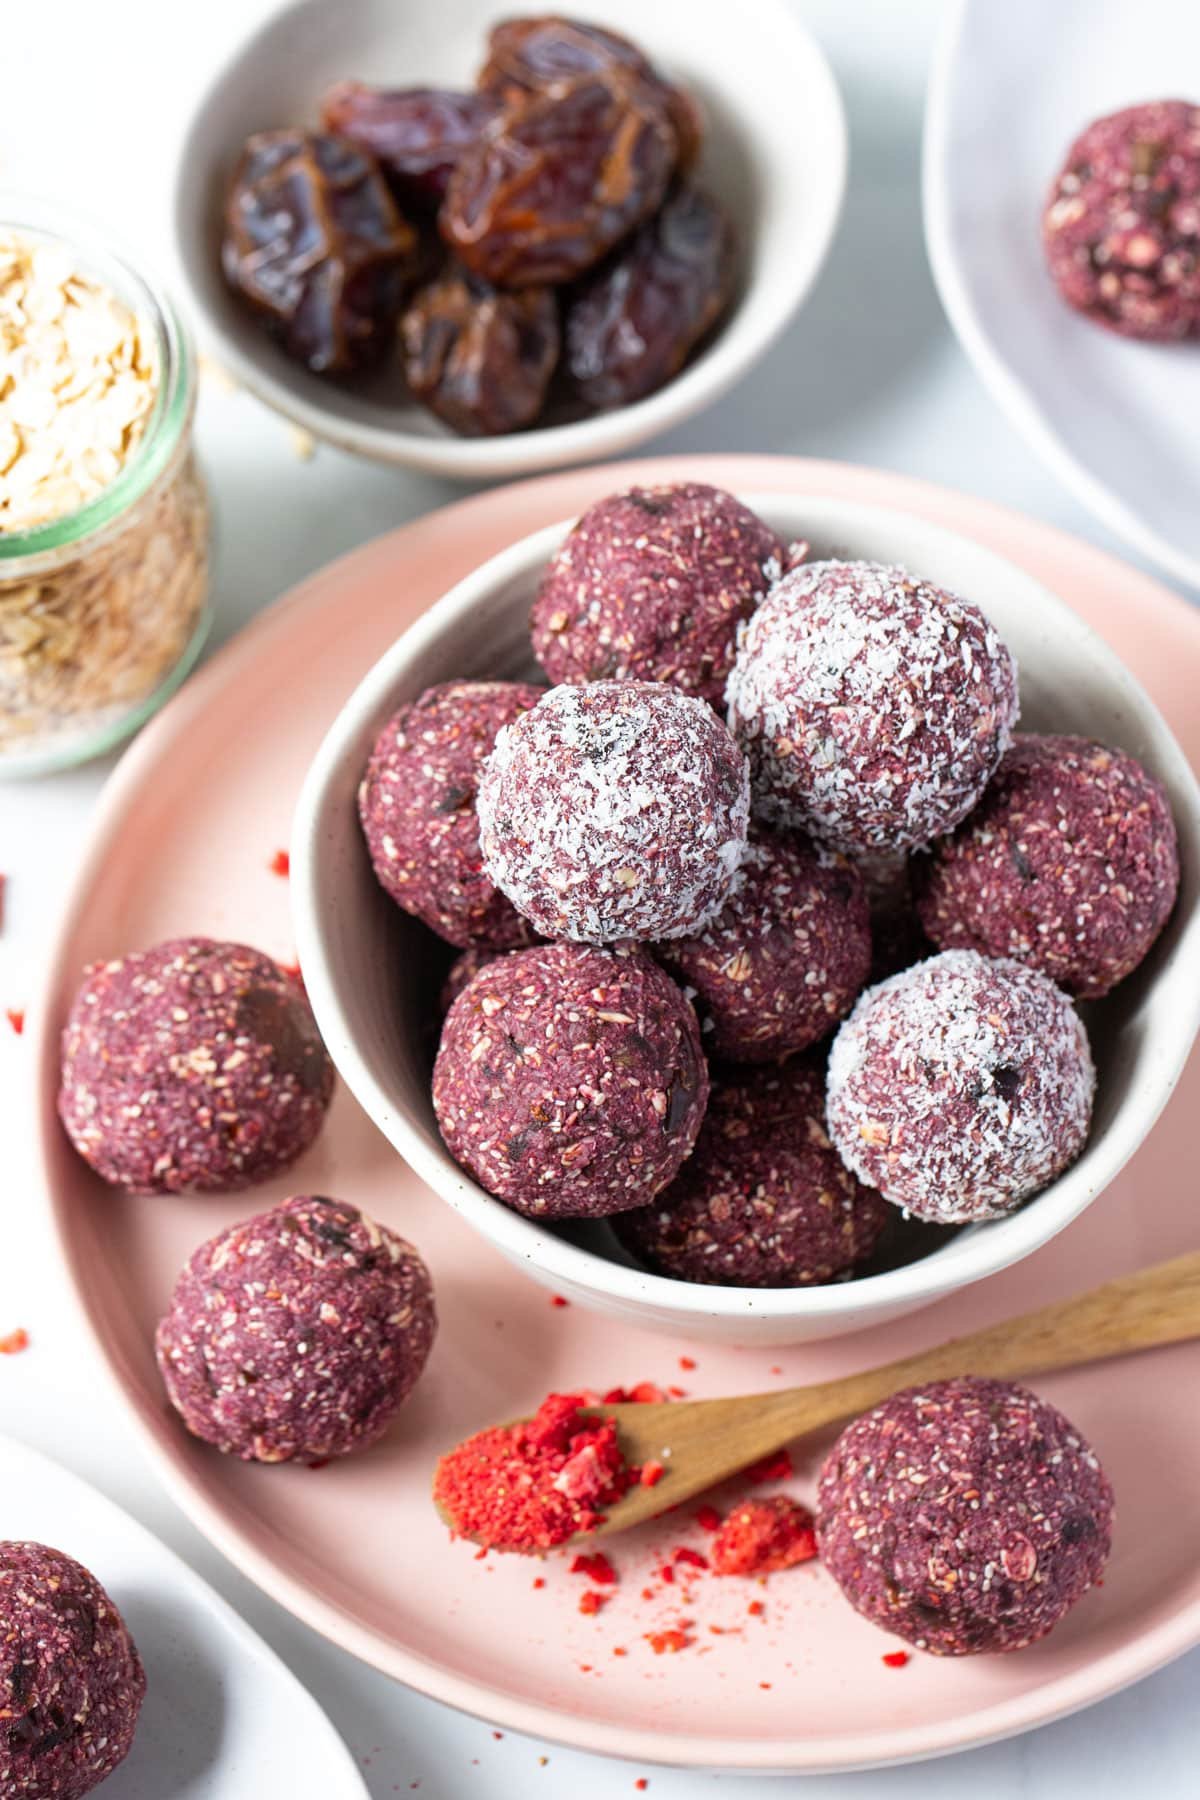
[776,155]
[372,979]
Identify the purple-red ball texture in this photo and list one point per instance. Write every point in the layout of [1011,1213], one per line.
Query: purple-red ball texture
[570,1080]
[297,1333]
[966,1516]
[417,807]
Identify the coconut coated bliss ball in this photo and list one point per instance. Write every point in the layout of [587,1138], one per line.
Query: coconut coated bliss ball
[764,1200]
[417,806]
[297,1333]
[785,957]
[960,1087]
[1070,863]
[570,1080]
[650,585]
[71,1680]
[873,706]
[967,1516]
[1122,224]
[617,810]
[195,1065]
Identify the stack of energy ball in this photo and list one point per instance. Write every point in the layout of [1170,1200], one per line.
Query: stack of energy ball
[759,783]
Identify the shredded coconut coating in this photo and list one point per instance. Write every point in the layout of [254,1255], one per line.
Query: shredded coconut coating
[570,1080]
[297,1333]
[873,706]
[764,1200]
[650,586]
[967,1516]
[785,957]
[615,811]
[1121,227]
[1070,863]
[960,1087]
[417,807]
[71,1680]
[195,1065]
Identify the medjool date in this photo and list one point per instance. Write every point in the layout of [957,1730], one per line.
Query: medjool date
[539,54]
[634,323]
[481,359]
[315,242]
[417,134]
[557,180]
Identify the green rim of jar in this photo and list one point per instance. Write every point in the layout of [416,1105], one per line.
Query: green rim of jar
[172,409]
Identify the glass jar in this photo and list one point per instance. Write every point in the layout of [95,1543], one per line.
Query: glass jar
[104,610]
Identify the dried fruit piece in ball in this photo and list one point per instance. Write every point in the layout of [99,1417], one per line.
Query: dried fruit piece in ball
[417,135]
[71,1680]
[570,1080]
[1122,225]
[194,1065]
[557,180]
[1069,863]
[612,811]
[416,803]
[633,324]
[314,241]
[764,1200]
[650,585]
[786,956]
[966,1516]
[297,1333]
[961,1086]
[529,55]
[874,707]
[479,357]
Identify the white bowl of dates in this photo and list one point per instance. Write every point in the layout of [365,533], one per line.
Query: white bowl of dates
[484,245]
[377,975]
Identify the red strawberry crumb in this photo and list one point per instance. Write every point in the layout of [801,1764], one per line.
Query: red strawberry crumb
[652,1473]
[775,1369]
[16,1018]
[667,1574]
[539,1581]
[761,1536]
[686,1555]
[668,1642]
[641,1784]
[292,968]
[592,1601]
[14,1342]
[280,863]
[647,1593]
[708,1518]
[646,1394]
[597,1568]
[614,1397]
[764,1684]
[620,1650]
[776,1467]
[756,1609]
[677,1393]
[559,1300]
[497,1734]
[895,1659]
[687,1362]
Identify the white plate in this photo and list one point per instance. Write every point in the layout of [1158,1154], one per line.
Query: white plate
[224,1718]
[1012,86]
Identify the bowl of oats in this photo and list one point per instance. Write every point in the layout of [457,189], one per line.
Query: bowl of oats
[103,515]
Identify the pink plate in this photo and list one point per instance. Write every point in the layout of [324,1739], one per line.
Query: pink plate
[182,843]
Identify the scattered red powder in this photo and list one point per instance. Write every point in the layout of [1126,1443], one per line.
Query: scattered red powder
[15,1342]
[592,1601]
[559,1300]
[664,1642]
[687,1362]
[776,1467]
[686,1555]
[280,863]
[16,1018]
[596,1568]
[532,1485]
[895,1659]
[708,1518]
[760,1536]
[652,1473]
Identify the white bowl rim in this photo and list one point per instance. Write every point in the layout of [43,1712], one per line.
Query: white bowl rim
[990,1248]
[724,362]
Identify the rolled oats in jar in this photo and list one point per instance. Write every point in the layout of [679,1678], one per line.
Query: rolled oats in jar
[103,515]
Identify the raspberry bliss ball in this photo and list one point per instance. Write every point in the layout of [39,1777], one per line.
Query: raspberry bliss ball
[615,811]
[570,1080]
[195,1065]
[651,585]
[1122,224]
[873,706]
[764,1200]
[786,956]
[297,1333]
[960,1087]
[967,1516]
[1070,863]
[417,806]
[71,1680]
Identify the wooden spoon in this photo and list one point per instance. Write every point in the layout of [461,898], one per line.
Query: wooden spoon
[701,1442]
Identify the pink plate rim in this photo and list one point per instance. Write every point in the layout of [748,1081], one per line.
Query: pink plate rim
[1027,542]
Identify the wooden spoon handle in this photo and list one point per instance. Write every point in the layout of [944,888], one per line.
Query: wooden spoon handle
[1159,1305]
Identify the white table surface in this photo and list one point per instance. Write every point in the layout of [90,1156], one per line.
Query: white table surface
[870,373]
